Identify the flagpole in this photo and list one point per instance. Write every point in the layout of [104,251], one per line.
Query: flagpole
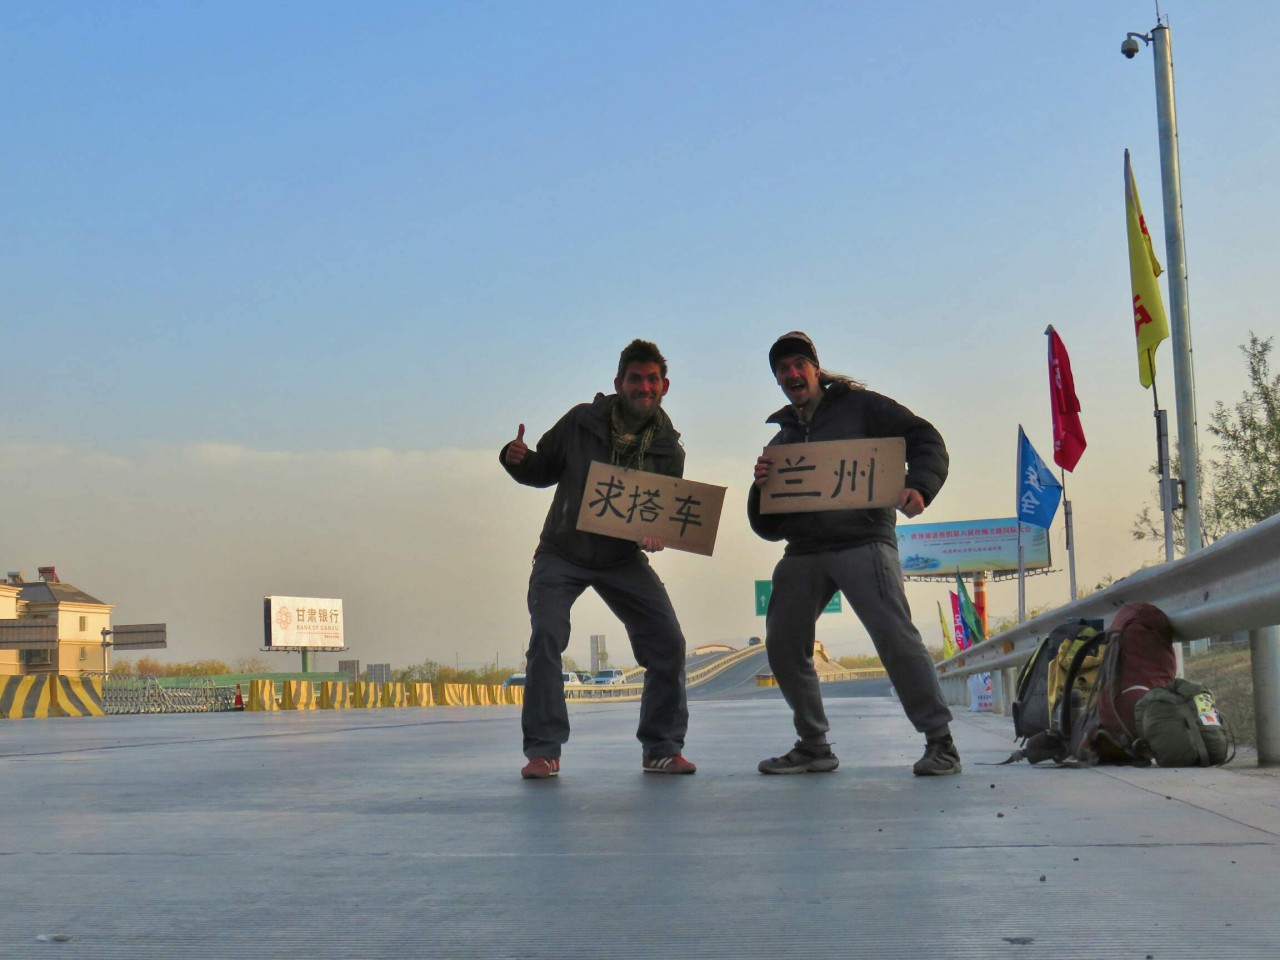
[1168,491]
[1184,389]
[1071,538]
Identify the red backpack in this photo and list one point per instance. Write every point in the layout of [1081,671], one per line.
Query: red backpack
[1139,656]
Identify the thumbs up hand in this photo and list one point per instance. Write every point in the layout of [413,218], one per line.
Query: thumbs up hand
[517,449]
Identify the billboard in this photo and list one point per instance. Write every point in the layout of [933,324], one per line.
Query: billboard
[973,546]
[302,623]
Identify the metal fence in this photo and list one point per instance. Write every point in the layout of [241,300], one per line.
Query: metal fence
[128,694]
[1229,586]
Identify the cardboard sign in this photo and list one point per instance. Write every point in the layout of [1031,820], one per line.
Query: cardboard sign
[834,475]
[633,504]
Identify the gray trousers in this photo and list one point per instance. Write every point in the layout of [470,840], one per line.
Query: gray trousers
[870,577]
[637,597]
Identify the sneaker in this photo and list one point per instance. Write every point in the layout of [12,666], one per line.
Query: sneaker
[941,759]
[672,764]
[539,768]
[802,759]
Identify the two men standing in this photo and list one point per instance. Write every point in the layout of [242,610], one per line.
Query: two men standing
[853,551]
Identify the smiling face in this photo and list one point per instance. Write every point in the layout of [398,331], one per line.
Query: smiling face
[798,378]
[640,390]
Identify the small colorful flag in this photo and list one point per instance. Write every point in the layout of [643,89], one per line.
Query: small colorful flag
[969,614]
[948,645]
[1150,324]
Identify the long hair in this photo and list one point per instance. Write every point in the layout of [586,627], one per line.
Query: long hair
[827,377]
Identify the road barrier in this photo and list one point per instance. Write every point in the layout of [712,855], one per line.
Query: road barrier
[1231,585]
[78,697]
[297,695]
[30,697]
[262,696]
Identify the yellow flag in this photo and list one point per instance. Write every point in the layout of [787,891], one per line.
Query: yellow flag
[1150,324]
[948,645]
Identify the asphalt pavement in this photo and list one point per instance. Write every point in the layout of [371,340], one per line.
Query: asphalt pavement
[408,833]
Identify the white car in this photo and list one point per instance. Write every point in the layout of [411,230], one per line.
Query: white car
[570,679]
[611,675]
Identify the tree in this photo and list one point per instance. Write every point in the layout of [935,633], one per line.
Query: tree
[1243,487]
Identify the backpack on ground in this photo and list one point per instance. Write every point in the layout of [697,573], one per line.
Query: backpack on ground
[1181,726]
[1096,683]
[1032,693]
[1139,657]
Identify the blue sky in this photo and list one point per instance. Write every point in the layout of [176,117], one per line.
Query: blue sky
[279,278]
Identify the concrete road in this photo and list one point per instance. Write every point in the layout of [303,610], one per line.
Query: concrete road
[408,833]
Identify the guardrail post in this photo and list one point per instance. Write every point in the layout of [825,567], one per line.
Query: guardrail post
[1264,652]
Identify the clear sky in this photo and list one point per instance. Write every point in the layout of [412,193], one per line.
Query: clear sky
[279,279]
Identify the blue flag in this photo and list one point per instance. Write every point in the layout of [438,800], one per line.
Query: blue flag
[1039,491]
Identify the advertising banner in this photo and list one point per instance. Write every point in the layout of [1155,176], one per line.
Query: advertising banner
[974,546]
[296,623]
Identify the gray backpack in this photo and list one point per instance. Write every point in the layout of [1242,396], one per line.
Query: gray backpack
[1181,726]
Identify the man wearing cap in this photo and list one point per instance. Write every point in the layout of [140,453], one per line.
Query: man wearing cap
[630,429]
[853,551]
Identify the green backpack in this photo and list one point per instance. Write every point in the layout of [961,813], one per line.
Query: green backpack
[1182,727]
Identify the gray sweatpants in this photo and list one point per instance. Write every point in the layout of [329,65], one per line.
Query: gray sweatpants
[870,577]
[635,595]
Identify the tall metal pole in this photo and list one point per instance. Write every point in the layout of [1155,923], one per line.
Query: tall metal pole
[1179,312]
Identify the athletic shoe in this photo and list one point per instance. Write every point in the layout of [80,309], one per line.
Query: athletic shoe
[802,759]
[941,759]
[539,768]
[672,764]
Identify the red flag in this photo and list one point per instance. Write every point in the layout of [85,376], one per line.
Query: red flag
[1068,434]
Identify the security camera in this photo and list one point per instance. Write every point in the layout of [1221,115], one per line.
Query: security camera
[1129,47]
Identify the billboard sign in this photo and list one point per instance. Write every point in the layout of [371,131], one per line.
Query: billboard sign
[973,546]
[302,623]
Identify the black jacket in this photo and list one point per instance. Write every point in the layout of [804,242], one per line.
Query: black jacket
[563,457]
[847,413]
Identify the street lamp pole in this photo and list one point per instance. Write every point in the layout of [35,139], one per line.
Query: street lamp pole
[1175,252]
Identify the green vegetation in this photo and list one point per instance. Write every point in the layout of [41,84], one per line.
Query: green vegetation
[1225,669]
[1243,487]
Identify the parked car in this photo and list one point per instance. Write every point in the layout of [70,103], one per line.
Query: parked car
[609,675]
[584,676]
[571,679]
[515,680]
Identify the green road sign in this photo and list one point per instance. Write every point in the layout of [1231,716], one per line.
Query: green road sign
[765,587]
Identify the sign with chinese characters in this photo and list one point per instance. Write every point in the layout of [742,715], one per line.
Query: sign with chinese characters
[834,475]
[764,590]
[974,546]
[633,504]
[296,623]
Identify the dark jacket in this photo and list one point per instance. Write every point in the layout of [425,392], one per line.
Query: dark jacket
[563,457]
[847,413]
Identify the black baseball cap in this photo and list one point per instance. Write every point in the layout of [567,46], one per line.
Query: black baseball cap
[793,344]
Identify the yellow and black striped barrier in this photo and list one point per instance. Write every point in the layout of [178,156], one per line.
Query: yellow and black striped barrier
[297,695]
[30,696]
[78,697]
[393,695]
[334,695]
[262,695]
[365,696]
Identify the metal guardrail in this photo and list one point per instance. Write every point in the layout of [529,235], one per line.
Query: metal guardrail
[1229,586]
[630,691]
[1232,584]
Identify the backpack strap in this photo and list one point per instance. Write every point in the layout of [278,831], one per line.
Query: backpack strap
[1088,647]
[1191,717]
